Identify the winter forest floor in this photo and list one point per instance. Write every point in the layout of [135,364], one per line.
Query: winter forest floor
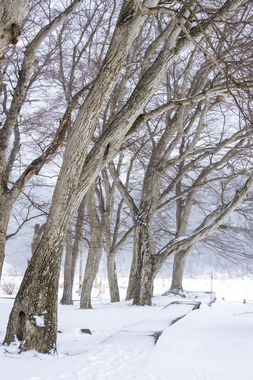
[208,343]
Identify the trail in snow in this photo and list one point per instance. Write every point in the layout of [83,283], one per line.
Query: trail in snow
[125,354]
[209,343]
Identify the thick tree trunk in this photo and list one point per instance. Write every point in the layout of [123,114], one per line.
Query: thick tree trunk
[145,269]
[38,292]
[33,319]
[91,269]
[12,17]
[112,278]
[144,292]
[183,216]
[67,288]
[178,272]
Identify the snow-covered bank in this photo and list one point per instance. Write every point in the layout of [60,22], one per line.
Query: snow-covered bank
[210,343]
[207,343]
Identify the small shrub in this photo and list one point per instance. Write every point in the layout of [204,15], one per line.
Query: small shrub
[8,287]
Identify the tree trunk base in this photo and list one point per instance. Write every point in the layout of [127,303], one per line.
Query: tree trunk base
[86,305]
[176,292]
[64,301]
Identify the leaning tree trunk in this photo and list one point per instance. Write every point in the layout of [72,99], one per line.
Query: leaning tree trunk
[67,288]
[36,300]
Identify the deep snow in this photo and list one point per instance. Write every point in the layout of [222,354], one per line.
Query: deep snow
[209,343]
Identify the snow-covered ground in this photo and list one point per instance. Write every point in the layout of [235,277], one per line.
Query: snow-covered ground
[208,343]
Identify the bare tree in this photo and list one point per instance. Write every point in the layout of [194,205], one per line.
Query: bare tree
[13,101]
[105,233]
[114,238]
[37,295]
[180,124]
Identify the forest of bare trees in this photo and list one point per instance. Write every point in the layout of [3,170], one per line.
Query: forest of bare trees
[142,111]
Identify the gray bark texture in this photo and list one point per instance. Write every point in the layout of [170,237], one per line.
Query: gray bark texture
[67,288]
[183,215]
[178,272]
[113,245]
[112,279]
[95,250]
[71,256]
[29,308]
[13,14]
[145,269]
[47,258]
[5,208]
[111,254]
[38,231]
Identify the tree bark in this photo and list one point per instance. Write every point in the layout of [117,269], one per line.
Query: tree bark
[77,240]
[38,231]
[72,251]
[91,269]
[178,272]
[133,275]
[95,251]
[5,211]
[145,270]
[13,15]
[36,302]
[67,288]
[183,216]
[112,278]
